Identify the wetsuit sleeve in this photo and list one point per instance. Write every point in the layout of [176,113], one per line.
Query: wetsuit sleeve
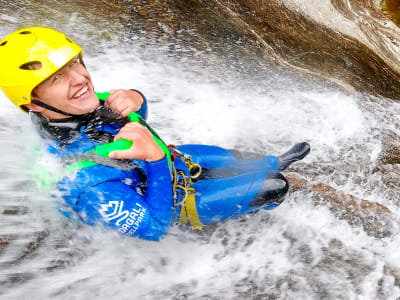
[143,109]
[118,205]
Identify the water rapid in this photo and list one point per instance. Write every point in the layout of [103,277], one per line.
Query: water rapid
[304,249]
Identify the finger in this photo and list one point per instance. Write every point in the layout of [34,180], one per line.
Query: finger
[127,135]
[131,125]
[118,105]
[122,154]
[127,111]
[123,108]
[129,132]
[110,98]
[115,94]
[108,102]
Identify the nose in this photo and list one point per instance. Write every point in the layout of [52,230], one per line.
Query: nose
[76,77]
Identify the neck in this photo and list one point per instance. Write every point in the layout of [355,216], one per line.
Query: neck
[66,129]
[51,112]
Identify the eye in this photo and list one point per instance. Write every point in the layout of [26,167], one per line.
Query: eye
[73,62]
[56,77]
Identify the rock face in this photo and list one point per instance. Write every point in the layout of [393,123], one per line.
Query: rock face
[392,9]
[302,43]
[354,57]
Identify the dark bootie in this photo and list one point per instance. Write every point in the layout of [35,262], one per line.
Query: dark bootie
[272,191]
[297,152]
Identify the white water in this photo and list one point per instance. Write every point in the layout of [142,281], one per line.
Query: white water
[300,250]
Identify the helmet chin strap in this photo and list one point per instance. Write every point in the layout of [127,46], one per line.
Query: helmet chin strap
[49,107]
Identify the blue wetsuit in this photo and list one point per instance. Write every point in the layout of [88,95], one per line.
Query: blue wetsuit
[138,201]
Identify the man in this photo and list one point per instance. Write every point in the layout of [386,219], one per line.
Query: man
[119,171]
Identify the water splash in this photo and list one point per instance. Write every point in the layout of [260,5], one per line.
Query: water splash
[303,249]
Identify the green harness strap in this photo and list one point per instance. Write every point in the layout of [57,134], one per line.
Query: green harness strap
[121,144]
[105,149]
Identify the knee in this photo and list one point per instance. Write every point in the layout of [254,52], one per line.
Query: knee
[273,191]
[243,155]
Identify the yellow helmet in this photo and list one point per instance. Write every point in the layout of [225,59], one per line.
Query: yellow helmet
[29,56]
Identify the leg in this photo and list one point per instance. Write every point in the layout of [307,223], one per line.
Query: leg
[243,155]
[218,162]
[209,157]
[221,198]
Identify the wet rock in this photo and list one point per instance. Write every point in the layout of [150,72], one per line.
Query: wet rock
[391,275]
[4,241]
[16,210]
[106,35]
[392,9]
[337,256]
[281,35]
[391,150]
[388,166]
[67,17]
[16,279]
[375,219]
[33,245]
[299,42]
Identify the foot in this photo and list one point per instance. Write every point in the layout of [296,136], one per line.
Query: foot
[297,152]
[272,191]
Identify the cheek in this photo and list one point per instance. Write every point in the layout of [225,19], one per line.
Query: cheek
[84,72]
[38,91]
[49,94]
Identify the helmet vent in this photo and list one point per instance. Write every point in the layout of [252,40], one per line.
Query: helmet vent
[3,43]
[68,40]
[24,32]
[32,65]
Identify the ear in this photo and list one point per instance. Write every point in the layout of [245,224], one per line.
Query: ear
[34,107]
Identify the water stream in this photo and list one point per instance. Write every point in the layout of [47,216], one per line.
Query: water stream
[304,249]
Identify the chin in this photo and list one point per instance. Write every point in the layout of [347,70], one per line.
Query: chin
[94,103]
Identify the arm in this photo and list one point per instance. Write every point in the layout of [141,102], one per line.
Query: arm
[103,195]
[126,101]
[142,111]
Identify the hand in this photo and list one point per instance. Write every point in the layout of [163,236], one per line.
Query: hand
[144,146]
[124,102]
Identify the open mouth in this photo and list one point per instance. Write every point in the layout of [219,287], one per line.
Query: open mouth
[82,93]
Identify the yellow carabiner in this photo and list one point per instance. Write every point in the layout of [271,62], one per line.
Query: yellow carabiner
[194,169]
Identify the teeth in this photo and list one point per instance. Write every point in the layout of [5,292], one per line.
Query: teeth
[82,91]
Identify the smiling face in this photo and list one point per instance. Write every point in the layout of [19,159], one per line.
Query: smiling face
[70,90]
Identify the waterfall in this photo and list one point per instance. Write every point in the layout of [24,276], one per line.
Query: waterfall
[279,72]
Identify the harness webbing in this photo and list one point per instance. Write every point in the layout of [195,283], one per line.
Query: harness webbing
[135,117]
[188,212]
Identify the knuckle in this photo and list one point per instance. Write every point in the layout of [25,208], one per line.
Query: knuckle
[130,125]
[137,125]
